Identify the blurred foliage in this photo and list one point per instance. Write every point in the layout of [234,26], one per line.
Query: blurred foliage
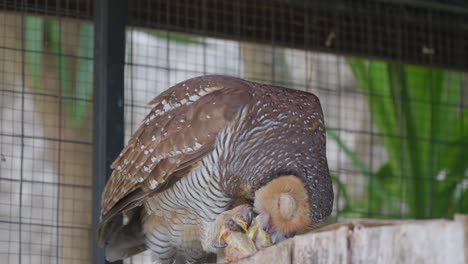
[177,38]
[419,120]
[415,110]
[75,68]
[43,36]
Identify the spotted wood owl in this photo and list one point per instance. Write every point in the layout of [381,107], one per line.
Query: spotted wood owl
[214,153]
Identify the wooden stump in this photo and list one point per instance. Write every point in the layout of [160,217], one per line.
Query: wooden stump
[375,241]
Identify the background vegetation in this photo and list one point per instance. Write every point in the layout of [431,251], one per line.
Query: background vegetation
[418,117]
[416,113]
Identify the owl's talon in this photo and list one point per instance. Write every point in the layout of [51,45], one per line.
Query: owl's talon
[238,219]
[219,244]
[235,226]
[241,233]
[250,216]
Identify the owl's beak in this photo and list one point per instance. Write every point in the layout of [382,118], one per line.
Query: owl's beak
[243,222]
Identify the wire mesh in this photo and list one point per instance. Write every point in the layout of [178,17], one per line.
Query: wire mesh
[391,77]
[370,156]
[45,136]
[390,124]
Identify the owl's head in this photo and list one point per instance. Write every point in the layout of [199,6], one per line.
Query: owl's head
[284,207]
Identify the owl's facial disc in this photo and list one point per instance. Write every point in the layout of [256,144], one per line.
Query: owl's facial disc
[287,206]
[283,206]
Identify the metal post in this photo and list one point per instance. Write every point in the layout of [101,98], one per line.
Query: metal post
[109,59]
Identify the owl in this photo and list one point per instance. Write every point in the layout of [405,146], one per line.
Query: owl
[219,162]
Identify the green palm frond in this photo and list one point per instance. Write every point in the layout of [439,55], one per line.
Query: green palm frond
[416,110]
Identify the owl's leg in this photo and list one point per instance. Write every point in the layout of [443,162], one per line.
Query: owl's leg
[234,220]
[162,250]
[239,232]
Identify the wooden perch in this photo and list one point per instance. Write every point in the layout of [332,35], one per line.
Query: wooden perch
[375,241]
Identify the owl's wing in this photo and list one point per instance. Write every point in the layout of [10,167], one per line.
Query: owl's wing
[178,132]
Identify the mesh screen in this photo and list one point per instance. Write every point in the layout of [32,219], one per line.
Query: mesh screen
[369,182]
[392,125]
[46,70]
[391,77]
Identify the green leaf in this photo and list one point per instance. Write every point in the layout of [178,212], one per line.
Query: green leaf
[177,38]
[53,34]
[81,90]
[450,188]
[390,182]
[373,79]
[446,123]
[461,198]
[415,116]
[415,110]
[84,74]
[34,32]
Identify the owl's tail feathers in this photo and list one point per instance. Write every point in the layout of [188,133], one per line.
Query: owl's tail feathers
[127,240]
[128,206]
[104,230]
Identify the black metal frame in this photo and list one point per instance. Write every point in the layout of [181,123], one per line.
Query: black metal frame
[323,26]
[311,25]
[109,60]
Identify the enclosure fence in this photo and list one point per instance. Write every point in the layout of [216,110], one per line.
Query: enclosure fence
[76,77]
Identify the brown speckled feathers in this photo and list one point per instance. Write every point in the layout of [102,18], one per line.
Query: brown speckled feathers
[182,129]
[179,131]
